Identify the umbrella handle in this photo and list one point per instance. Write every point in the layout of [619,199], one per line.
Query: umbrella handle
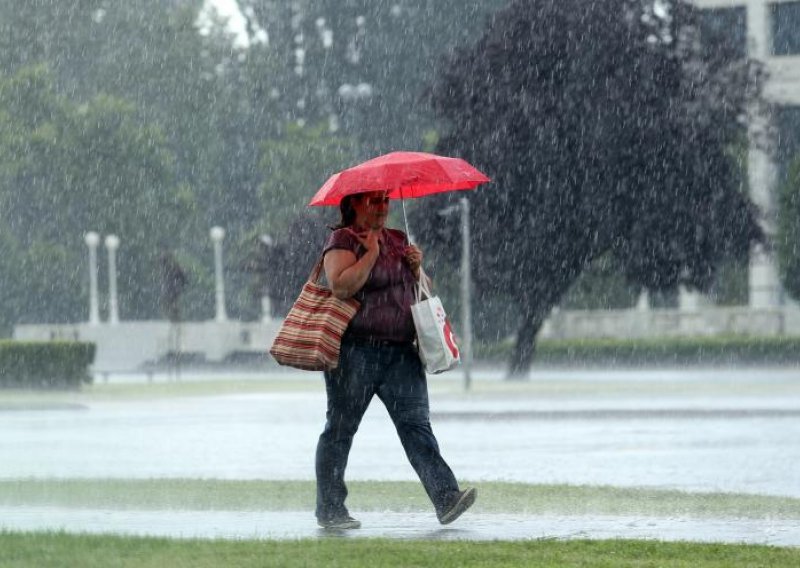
[405,217]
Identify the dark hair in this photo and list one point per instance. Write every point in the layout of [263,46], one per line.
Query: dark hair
[347,212]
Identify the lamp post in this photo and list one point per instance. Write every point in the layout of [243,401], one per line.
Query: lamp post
[217,234]
[92,239]
[112,244]
[351,96]
[466,294]
[466,288]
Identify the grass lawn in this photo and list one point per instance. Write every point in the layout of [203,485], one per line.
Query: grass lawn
[495,497]
[49,550]
[450,387]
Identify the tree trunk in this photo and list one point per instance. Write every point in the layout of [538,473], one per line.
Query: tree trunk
[525,347]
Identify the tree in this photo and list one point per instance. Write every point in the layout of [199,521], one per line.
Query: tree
[208,101]
[66,168]
[293,256]
[393,49]
[606,130]
[226,116]
[295,165]
[788,236]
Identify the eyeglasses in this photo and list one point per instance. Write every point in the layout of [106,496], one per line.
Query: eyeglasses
[378,200]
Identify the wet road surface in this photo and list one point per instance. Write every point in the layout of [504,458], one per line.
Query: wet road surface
[478,527]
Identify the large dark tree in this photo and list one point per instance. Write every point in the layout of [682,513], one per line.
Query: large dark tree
[608,128]
[788,234]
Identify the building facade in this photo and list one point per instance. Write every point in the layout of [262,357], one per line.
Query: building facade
[768,31]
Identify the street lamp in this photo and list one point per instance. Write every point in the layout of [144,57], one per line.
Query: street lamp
[217,234]
[351,97]
[112,244]
[466,288]
[466,292]
[92,239]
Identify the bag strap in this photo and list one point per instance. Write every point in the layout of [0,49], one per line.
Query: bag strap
[315,272]
[421,287]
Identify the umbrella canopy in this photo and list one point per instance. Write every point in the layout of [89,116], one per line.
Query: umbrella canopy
[402,174]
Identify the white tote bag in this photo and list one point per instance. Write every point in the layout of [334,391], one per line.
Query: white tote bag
[435,340]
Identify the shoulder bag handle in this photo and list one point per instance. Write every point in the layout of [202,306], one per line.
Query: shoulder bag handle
[421,289]
[315,272]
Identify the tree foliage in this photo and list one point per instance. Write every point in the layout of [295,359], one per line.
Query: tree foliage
[788,235]
[137,125]
[241,139]
[392,47]
[607,131]
[295,165]
[69,168]
[120,117]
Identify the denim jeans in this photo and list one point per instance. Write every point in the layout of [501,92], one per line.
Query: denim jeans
[395,374]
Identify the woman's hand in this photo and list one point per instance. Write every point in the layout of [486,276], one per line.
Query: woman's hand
[413,257]
[369,239]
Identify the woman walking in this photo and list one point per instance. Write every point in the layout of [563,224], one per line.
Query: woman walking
[377,266]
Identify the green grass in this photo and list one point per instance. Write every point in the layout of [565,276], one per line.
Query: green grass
[49,550]
[439,387]
[15,399]
[494,497]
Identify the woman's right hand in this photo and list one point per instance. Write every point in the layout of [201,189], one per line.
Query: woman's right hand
[369,239]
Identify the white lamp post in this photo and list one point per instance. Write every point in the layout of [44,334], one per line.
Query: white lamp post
[217,234]
[466,287]
[92,239]
[466,294]
[112,244]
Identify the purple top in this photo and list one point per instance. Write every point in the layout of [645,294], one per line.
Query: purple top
[388,293]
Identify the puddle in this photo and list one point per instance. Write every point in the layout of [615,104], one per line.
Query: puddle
[289,525]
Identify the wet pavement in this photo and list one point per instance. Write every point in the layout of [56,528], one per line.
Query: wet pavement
[237,525]
[692,430]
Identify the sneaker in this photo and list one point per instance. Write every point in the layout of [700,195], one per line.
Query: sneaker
[339,523]
[462,501]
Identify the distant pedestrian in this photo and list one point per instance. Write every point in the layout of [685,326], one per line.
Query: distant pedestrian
[379,268]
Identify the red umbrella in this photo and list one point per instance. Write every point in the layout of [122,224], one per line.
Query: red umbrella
[402,174]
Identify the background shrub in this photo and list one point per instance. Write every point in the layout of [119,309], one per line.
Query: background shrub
[45,364]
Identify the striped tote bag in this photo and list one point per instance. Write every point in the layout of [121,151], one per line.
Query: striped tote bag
[311,335]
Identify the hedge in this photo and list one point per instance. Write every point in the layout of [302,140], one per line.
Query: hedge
[45,364]
[725,350]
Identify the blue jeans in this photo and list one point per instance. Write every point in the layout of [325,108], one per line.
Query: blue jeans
[396,375]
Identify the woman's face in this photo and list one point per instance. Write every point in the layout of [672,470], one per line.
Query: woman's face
[372,209]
